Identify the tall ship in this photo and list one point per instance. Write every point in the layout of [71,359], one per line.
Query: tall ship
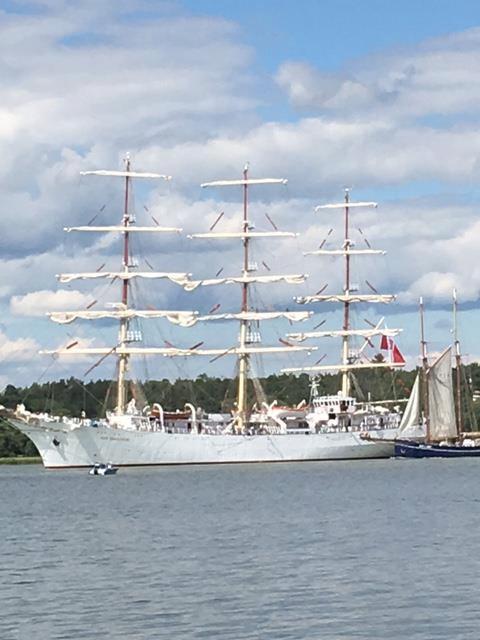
[344,411]
[146,434]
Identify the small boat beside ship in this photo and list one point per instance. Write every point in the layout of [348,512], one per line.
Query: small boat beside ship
[103,469]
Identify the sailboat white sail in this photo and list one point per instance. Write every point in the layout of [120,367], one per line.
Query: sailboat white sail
[411,416]
[441,408]
[442,421]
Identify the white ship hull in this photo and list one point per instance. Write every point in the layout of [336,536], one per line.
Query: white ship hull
[85,445]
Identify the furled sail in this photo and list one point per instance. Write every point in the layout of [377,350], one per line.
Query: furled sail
[341,333]
[292,316]
[131,351]
[125,174]
[411,415]
[182,318]
[345,252]
[244,182]
[343,205]
[245,234]
[178,278]
[289,279]
[350,297]
[122,228]
[344,367]
[171,351]
[442,424]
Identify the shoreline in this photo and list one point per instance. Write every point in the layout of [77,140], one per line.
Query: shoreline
[21,460]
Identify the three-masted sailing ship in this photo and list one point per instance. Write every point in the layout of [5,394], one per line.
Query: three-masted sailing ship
[433,425]
[148,435]
[343,411]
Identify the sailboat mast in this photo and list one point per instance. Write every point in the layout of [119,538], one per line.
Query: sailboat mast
[458,365]
[243,358]
[423,348]
[123,359]
[346,304]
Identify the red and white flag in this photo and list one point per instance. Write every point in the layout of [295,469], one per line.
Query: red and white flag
[387,344]
[397,356]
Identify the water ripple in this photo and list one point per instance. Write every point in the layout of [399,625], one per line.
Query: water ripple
[339,551]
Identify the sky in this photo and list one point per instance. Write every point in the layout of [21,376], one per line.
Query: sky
[381,97]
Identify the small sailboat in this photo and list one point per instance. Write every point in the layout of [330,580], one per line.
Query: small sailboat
[443,420]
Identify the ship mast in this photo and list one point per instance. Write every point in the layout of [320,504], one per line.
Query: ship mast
[346,298]
[458,366]
[243,359]
[124,322]
[246,316]
[346,304]
[122,311]
[423,351]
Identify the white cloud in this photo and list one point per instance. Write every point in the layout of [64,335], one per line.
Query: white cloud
[149,75]
[453,263]
[434,285]
[308,87]
[76,342]
[325,154]
[86,85]
[18,350]
[436,77]
[81,84]
[38,303]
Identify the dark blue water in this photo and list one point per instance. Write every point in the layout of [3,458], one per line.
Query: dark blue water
[334,551]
